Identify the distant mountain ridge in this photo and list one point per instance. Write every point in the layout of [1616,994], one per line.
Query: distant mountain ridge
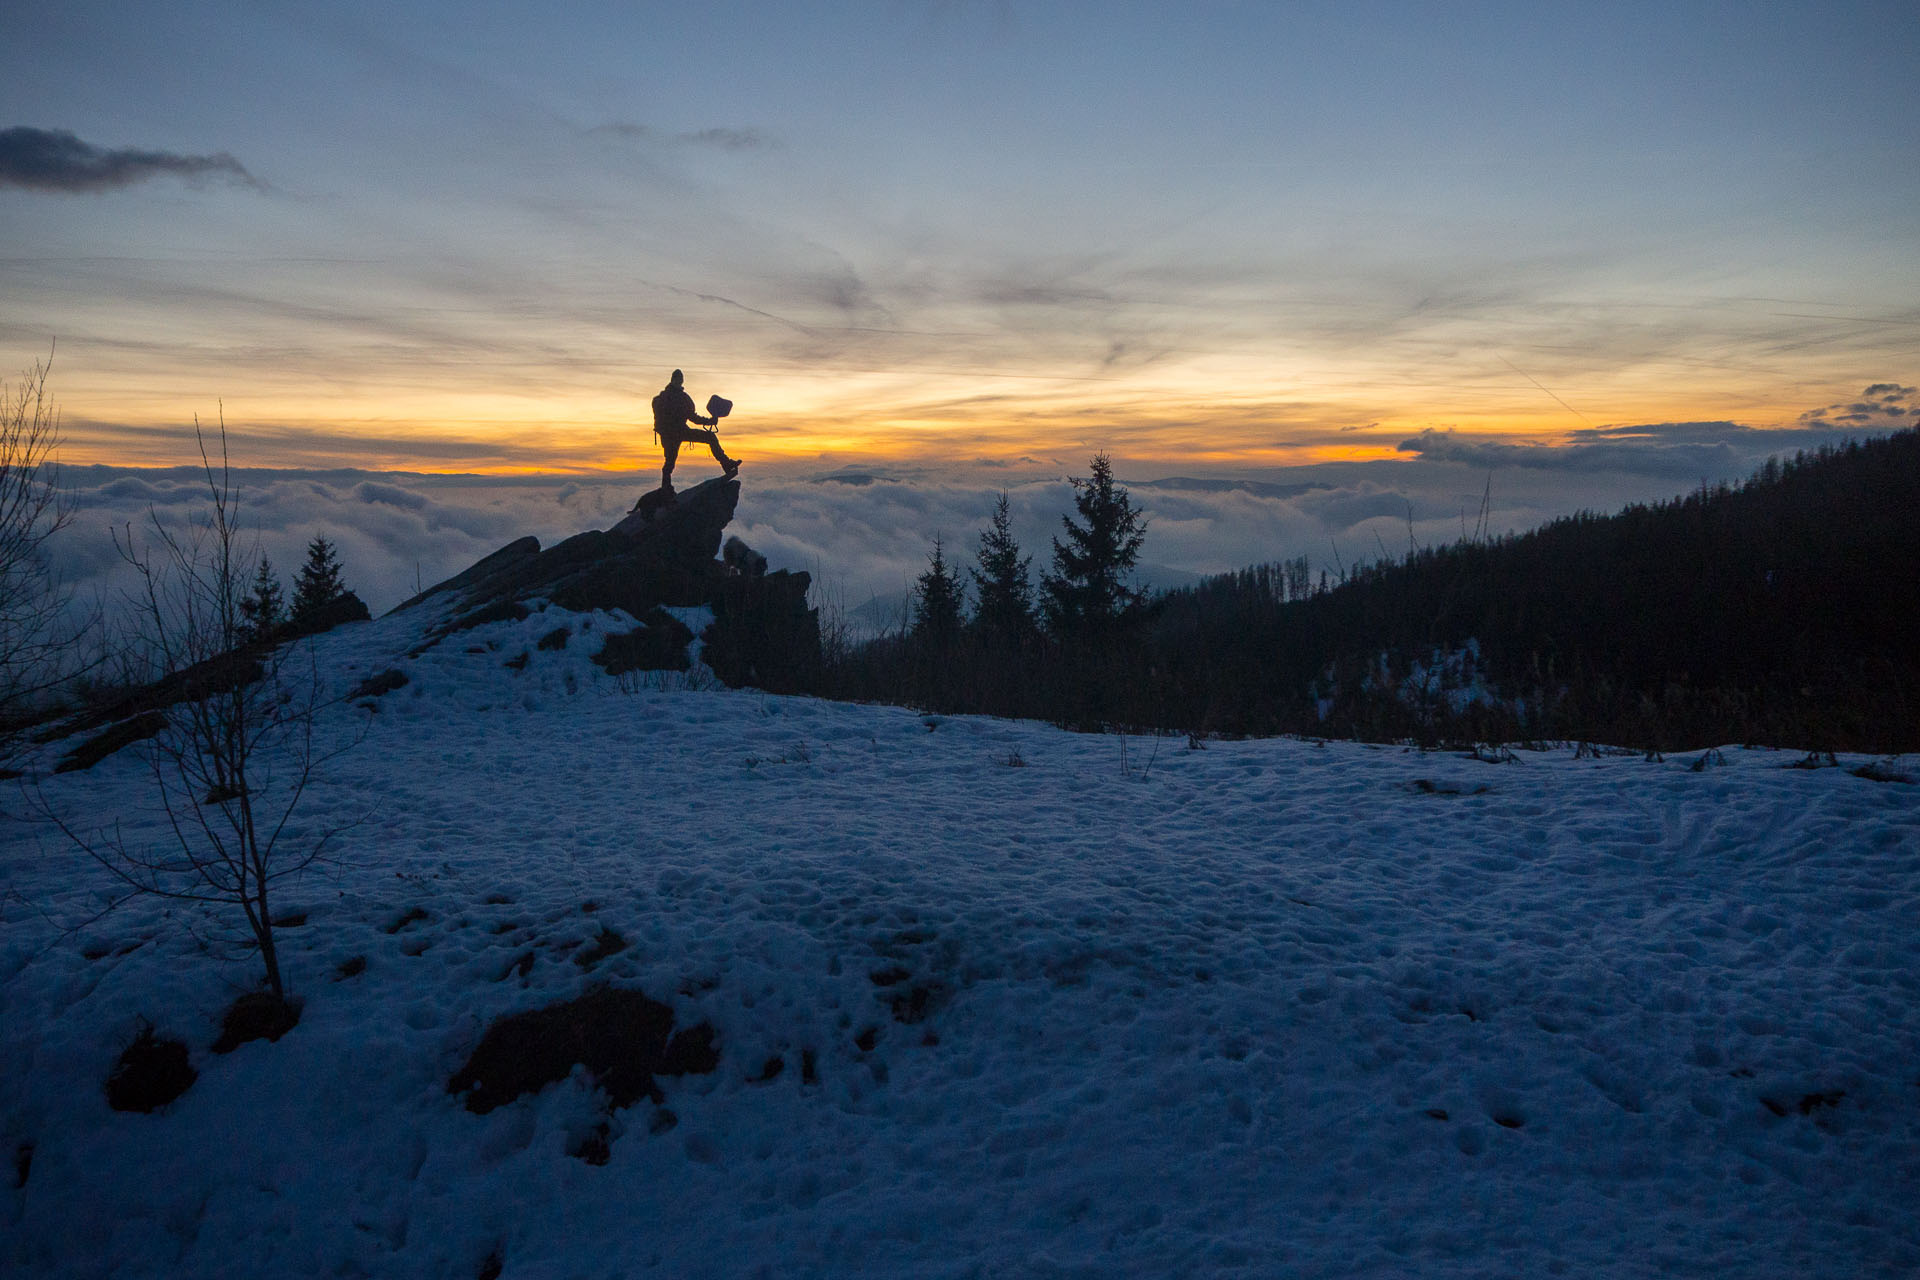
[1259,488]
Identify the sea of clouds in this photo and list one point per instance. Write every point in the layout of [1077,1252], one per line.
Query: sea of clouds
[865,534]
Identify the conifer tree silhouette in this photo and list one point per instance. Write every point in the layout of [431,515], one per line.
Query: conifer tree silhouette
[264,607]
[1003,593]
[319,584]
[938,601]
[1087,594]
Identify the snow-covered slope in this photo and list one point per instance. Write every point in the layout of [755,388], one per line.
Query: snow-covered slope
[1266,1008]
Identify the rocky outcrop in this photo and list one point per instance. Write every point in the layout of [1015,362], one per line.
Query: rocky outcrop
[136,728]
[662,555]
[763,634]
[342,609]
[659,643]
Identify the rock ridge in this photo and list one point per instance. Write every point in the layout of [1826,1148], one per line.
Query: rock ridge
[660,557]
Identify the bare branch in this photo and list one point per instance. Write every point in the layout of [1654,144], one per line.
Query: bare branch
[237,754]
[38,627]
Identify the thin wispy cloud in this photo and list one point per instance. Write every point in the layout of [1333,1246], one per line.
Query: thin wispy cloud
[718,300]
[58,160]
[325,445]
[715,138]
[728,139]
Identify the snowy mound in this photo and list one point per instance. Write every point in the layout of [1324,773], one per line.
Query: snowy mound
[987,998]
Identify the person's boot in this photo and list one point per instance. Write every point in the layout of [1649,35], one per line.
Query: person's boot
[730,468]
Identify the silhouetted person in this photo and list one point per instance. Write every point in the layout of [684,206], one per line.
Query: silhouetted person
[672,410]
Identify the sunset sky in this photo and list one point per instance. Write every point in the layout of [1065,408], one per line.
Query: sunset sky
[1206,238]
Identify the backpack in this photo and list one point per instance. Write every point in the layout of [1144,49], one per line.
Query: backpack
[659,408]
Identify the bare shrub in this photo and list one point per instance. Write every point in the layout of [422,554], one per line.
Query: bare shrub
[237,751]
[37,631]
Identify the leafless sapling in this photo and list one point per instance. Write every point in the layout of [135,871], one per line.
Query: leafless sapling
[239,748]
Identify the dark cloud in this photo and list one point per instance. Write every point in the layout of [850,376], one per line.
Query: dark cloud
[1670,433]
[58,160]
[1672,448]
[1883,406]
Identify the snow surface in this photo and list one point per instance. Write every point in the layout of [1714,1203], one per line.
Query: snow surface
[1266,1008]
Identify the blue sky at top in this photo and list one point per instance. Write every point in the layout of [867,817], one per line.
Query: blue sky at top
[475,236]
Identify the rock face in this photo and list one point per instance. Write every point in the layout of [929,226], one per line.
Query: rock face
[763,633]
[343,608]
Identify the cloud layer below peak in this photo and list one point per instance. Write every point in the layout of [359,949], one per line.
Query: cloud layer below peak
[865,534]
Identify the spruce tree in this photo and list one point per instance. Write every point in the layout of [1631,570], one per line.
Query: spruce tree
[265,606]
[1087,595]
[938,601]
[319,583]
[1004,594]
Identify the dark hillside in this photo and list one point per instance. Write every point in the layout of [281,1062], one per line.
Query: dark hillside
[1787,609]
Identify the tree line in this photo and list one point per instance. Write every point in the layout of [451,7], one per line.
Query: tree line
[319,584]
[1783,610]
[1051,652]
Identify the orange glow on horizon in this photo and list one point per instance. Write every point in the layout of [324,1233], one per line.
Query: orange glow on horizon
[862,419]
[521,449]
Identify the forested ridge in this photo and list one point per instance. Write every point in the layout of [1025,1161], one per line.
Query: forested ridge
[1787,608]
[1784,610]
